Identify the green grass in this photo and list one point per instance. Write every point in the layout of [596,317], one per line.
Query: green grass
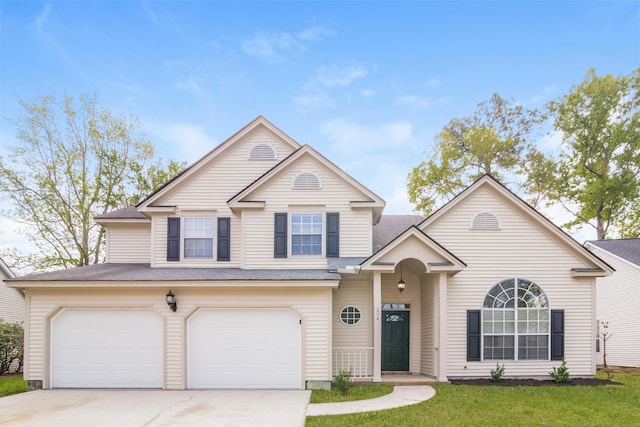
[355,393]
[466,405]
[12,385]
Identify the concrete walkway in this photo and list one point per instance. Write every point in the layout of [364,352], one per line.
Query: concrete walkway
[400,396]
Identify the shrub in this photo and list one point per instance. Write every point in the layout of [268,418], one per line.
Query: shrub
[560,374]
[11,346]
[497,373]
[341,382]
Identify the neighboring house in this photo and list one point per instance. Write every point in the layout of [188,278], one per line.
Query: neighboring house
[618,300]
[282,272]
[11,300]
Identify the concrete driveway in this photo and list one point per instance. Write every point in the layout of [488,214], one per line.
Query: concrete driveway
[151,408]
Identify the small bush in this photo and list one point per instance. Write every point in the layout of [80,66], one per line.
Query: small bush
[560,374]
[341,382]
[11,346]
[497,373]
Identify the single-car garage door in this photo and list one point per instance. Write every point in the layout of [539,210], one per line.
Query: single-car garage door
[244,348]
[106,348]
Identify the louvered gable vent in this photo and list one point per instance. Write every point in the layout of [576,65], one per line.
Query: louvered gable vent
[485,221]
[306,181]
[262,152]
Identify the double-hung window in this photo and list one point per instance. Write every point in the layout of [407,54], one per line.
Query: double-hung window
[306,234]
[198,238]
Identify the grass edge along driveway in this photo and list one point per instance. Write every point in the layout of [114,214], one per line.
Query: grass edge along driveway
[603,405]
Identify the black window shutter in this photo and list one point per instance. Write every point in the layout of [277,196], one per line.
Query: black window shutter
[473,335]
[557,334]
[333,234]
[173,239]
[224,239]
[280,236]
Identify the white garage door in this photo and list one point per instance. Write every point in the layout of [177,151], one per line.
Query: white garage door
[252,348]
[96,348]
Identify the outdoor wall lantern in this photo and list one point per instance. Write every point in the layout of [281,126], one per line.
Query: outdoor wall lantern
[171,301]
[401,282]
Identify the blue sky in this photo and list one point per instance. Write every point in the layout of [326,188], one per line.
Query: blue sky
[368,84]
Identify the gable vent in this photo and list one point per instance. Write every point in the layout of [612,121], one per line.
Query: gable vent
[262,152]
[485,221]
[306,181]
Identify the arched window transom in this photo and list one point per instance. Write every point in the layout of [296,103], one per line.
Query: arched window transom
[515,315]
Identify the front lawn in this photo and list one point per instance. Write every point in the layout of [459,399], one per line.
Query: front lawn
[355,393]
[603,405]
[12,384]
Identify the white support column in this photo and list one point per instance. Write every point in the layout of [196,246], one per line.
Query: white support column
[377,327]
[441,339]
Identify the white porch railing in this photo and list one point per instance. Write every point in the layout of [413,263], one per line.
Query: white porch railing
[357,360]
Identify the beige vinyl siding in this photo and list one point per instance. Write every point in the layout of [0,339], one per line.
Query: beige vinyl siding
[128,243]
[334,196]
[11,302]
[411,295]
[313,305]
[427,326]
[618,302]
[518,249]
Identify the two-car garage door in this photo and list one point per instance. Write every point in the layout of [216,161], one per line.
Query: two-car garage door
[252,348]
[226,348]
[106,348]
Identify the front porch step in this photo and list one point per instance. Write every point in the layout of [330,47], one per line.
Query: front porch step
[408,379]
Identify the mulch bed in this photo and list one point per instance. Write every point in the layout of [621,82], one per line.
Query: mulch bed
[510,382]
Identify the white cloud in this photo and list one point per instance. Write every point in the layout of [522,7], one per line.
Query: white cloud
[368,93]
[189,85]
[271,46]
[551,141]
[314,101]
[315,33]
[185,140]
[42,17]
[433,83]
[350,137]
[12,236]
[413,100]
[336,75]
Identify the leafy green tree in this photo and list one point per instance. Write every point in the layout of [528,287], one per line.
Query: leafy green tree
[11,346]
[495,141]
[597,174]
[75,159]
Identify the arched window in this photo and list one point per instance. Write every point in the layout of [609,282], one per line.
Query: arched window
[262,152]
[485,221]
[515,315]
[306,181]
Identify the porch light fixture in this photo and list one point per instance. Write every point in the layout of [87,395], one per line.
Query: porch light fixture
[401,282]
[171,301]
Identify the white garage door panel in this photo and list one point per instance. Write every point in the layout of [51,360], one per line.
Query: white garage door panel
[252,348]
[93,348]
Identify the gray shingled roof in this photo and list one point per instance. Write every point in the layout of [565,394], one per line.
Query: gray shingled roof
[125,213]
[391,226]
[628,249]
[144,272]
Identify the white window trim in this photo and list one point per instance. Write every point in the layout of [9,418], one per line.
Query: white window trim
[350,325]
[323,238]
[194,215]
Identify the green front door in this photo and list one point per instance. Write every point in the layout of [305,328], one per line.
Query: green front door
[395,340]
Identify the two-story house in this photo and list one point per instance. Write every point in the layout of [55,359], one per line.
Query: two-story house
[264,265]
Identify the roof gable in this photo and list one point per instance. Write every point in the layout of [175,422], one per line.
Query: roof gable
[6,270]
[409,243]
[256,125]
[306,152]
[527,212]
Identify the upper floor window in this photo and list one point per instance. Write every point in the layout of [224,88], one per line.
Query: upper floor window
[198,238]
[306,234]
[262,152]
[515,321]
